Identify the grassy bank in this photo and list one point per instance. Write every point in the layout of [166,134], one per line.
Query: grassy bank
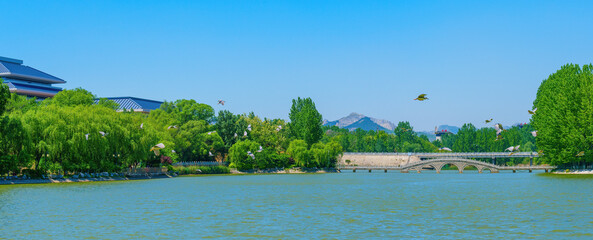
[184,170]
[567,176]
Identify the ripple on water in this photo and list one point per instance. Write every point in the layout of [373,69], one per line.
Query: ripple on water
[392,205]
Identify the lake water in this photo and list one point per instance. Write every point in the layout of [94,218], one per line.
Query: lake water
[340,205]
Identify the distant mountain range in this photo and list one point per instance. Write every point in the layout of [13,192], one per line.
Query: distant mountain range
[356,120]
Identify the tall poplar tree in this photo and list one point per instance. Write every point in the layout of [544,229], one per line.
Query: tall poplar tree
[564,114]
[305,121]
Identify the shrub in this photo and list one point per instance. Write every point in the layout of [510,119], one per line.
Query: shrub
[238,155]
[184,170]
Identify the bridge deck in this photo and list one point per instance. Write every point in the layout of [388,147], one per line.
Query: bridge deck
[537,167]
[454,154]
[438,160]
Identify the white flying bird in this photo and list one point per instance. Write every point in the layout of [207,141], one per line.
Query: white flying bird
[86,136]
[210,154]
[173,126]
[102,133]
[260,149]
[235,134]
[445,149]
[244,133]
[142,126]
[250,154]
[532,111]
[513,149]
[534,133]
[157,147]
[249,127]
[498,128]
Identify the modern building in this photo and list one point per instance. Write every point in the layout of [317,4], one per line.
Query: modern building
[28,81]
[135,104]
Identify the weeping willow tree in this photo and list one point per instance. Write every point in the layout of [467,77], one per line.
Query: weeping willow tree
[90,138]
[14,140]
[564,117]
[71,134]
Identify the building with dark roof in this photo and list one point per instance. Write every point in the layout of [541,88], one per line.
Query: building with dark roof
[135,104]
[28,81]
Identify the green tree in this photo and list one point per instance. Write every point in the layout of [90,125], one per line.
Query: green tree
[405,134]
[466,139]
[228,125]
[268,133]
[305,121]
[20,103]
[238,155]
[564,114]
[108,103]
[73,97]
[4,96]
[186,110]
[300,154]
[14,145]
[194,142]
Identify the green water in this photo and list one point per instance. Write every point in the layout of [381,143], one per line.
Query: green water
[344,206]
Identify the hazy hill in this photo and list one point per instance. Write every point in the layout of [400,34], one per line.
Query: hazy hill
[356,120]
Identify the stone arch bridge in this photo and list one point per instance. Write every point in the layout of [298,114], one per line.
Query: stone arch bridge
[406,162]
[460,163]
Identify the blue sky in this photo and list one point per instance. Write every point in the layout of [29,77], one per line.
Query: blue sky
[475,59]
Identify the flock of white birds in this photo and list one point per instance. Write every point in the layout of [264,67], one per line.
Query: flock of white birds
[159,146]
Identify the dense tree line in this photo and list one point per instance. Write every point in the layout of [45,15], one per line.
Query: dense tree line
[69,133]
[274,143]
[404,139]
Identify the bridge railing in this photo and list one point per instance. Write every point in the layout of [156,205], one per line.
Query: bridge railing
[480,154]
[452,154]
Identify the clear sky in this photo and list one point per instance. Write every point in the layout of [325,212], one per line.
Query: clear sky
[475,59]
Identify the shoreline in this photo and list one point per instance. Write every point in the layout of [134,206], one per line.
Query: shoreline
[578,172]
[80,180]
[103,179]
[286,171]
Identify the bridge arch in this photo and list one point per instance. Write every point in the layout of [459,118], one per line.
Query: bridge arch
[460,163]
